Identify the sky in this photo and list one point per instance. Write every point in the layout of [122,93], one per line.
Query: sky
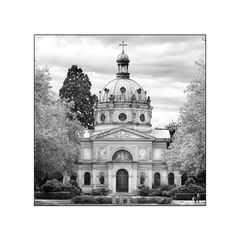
[163,65]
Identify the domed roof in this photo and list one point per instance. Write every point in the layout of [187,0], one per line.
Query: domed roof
[121,89]
[123,57]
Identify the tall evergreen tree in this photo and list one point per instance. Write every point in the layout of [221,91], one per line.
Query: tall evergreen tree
[76,88]
[187,152]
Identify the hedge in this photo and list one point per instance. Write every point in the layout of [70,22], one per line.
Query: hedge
[188,196]
[108,200]
[91,200]
[53,195]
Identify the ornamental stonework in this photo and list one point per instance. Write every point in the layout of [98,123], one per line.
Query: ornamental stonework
[142,154]
[102,153]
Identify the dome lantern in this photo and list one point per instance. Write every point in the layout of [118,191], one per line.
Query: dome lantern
[123,62]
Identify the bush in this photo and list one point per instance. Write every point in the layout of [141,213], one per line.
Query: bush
[165,200]
[52,195]
[100,192]
[166,187]
[142,200]
[144,191]
[84,200]
[192,188]
[73,189]
[52,186]
[188,196]
[104,200]
[91,200]
[190,181]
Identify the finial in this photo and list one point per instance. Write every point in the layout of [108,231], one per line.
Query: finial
[122,44]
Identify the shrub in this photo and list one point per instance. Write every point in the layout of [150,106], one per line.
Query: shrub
[91,200]
[165,200]
[104,200]
[192,188]
[188,196]
[52,195]
[52,186]
[170,193]
[144,191]
[74,183]
[73,189]
[100,192]
[84,200]
[165,187]
[142,200]
[190,181]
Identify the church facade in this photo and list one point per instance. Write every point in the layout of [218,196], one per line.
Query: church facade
[123,152]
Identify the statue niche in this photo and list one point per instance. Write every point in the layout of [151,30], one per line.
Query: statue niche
[122,156]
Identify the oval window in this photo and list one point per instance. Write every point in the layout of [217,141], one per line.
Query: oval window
[122,116]
[142,117]
[102,117]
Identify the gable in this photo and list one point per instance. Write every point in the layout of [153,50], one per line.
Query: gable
[122,134]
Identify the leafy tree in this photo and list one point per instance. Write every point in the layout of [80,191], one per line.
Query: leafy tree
[56,137]
[42,87]
[187,151]
[76,87]
[172,127]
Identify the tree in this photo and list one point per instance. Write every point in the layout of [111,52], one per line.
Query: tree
[76,87]
[56,145]
[187,152]
[172,127]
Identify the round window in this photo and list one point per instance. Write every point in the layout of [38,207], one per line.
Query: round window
[142,117]
[102,117]
[122,116]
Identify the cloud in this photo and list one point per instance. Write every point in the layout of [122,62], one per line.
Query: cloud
[162,65]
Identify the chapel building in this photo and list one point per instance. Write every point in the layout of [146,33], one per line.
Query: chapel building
[123,152]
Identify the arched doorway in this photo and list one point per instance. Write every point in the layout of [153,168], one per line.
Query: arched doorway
[122,180]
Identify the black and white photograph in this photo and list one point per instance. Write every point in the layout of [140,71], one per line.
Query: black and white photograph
[120,120]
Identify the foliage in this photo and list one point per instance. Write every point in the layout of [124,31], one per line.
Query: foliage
[91,200]
[104,200]
[165,187]
[100,192]
[191,188]
[52,186]
[52,195]
[188,196]
[172,127]
[187,152]
[56,137]
[76,88]
[190,180]
[144,191]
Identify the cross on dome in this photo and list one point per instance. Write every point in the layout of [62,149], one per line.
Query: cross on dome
[122,44]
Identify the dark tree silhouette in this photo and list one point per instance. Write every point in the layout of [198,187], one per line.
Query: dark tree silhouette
[76,88]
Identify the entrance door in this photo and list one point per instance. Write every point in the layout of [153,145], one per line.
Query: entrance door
[122,180]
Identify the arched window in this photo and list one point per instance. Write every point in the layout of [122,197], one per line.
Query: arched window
[87,178]
[101,178]
[157,179]
[170,179]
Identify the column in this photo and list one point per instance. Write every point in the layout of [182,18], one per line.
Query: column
[113,183]
[134,182]
[94,185]
[150,177]
[109,171]
[164,177]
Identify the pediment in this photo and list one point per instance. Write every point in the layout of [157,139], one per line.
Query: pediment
[122,134]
